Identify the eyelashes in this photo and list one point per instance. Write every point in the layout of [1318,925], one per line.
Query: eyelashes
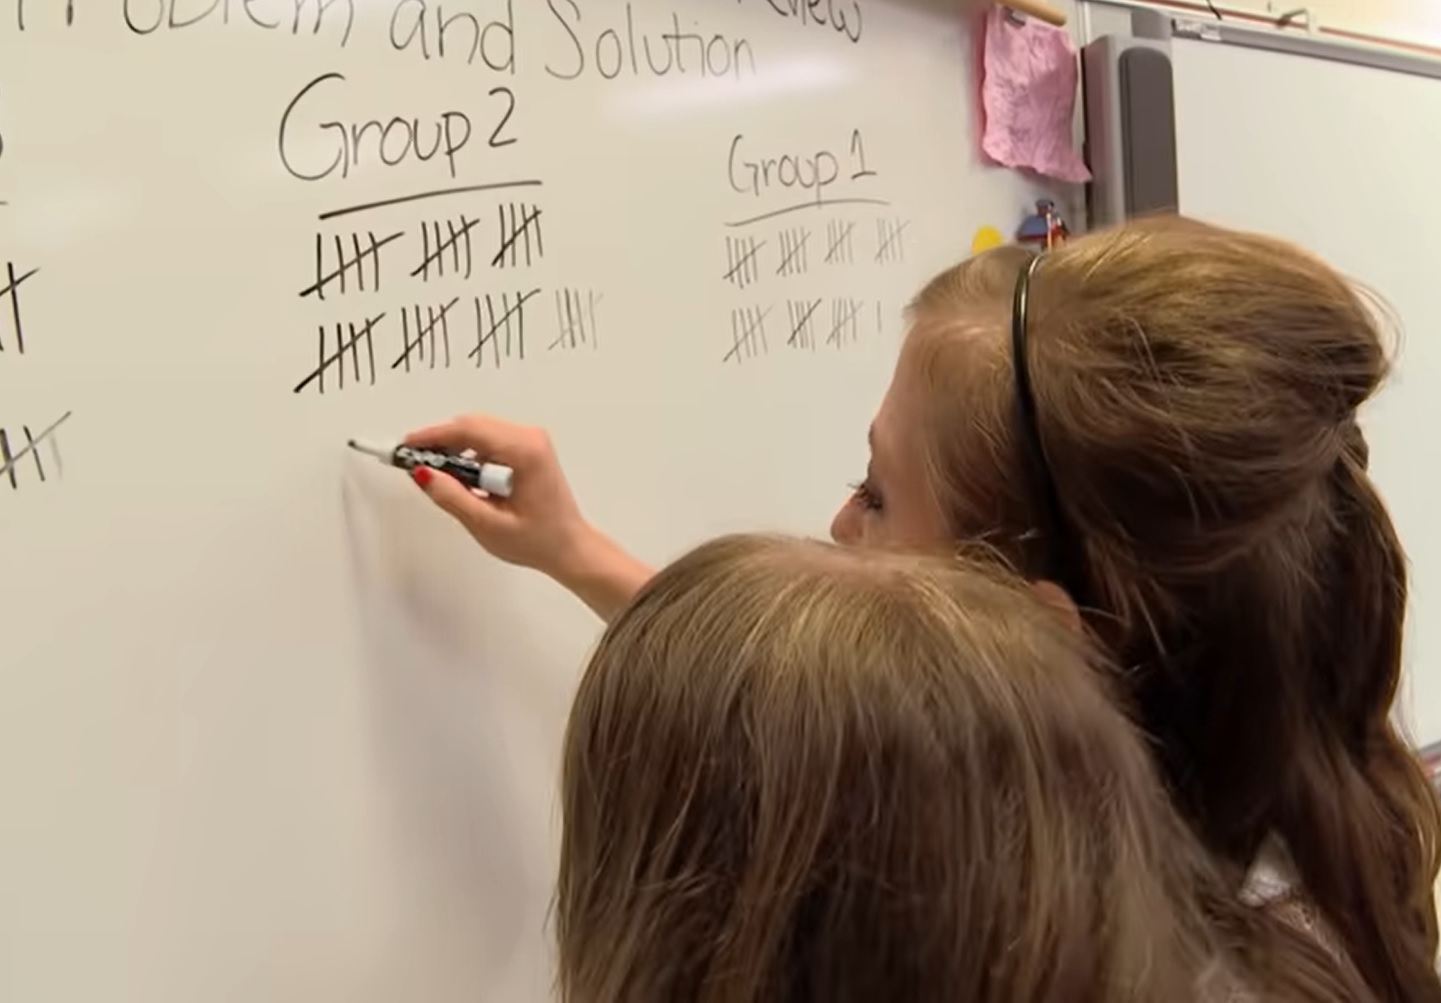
[865,496]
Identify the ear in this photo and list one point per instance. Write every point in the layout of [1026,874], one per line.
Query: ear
[1059,600]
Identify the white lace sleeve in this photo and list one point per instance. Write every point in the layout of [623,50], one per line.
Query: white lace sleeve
[1273,884]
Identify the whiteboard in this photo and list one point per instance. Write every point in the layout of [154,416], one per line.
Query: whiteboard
[270,727]
[1341,158]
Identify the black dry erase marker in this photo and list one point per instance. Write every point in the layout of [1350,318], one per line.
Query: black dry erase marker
[492,478]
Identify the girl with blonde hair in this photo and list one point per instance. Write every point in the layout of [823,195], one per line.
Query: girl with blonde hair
[796,772]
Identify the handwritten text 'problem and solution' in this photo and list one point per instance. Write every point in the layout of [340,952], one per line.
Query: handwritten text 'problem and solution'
[337,17]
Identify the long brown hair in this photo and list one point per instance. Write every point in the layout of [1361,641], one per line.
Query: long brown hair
[1196,394]
[796,772]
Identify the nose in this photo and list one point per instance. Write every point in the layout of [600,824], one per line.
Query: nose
[846,526]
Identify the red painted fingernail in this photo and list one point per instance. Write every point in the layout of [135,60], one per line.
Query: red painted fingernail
[422,476]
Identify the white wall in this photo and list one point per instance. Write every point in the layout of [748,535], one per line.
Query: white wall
[1416,21]
[1408,20]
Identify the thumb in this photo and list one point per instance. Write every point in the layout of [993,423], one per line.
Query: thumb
[454,497]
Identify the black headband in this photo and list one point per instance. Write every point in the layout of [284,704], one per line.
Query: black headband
[1063,559]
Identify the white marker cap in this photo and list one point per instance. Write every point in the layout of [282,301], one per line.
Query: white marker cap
[496,479]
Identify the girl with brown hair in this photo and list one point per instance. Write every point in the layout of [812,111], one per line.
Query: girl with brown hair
[1156,424]
[796,772]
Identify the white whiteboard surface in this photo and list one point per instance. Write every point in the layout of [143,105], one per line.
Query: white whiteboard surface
[1342,159]
[270,728]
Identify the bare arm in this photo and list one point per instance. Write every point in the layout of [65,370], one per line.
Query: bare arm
[602,574]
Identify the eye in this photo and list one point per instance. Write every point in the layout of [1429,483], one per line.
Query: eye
[866,496]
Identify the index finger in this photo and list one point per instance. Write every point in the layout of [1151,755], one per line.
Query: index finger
[489,436]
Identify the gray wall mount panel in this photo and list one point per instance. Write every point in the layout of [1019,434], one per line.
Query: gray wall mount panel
[1130,128]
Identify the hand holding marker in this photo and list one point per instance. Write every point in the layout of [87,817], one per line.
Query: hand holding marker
[538,525]
[492,478]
